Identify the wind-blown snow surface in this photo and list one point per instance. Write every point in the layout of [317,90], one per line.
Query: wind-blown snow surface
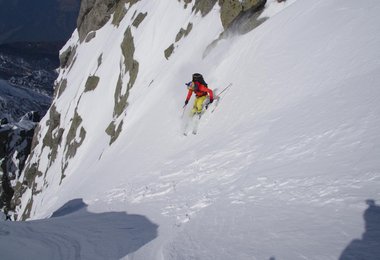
[282,169]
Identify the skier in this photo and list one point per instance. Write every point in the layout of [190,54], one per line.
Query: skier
[201,91]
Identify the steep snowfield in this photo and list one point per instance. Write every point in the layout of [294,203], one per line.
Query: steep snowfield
[283,167]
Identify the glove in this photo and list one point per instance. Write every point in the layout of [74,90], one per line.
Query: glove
[186,101]
[211,100]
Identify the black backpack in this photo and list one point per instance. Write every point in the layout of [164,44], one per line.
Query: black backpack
[197,77]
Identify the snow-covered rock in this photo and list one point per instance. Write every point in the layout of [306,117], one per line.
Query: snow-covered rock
[15,143]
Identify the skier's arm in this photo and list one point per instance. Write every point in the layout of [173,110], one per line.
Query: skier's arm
[211,94]
[189,95]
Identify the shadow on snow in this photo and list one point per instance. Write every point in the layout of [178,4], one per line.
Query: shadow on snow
[368,247]
[74,233]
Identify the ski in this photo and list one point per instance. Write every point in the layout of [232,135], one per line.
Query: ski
[189,125]
[219,97]
[192,124]
[186,128]
[197,118]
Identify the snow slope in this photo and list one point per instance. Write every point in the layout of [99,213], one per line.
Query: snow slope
[281,170]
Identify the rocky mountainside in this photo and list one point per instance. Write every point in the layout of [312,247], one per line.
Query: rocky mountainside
[27,75]
[15,145]
[31,35]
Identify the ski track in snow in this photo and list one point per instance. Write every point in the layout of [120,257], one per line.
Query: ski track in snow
[229,179]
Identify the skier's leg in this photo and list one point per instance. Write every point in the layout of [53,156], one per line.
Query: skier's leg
[194,110]
[199,104]
[206,102]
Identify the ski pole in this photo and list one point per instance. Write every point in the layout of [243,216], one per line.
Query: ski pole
[219,97]
[183,112]
[229,85]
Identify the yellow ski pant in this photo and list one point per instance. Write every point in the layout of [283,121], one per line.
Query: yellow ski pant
[198,104]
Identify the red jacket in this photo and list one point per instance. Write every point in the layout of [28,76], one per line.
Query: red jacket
[201,90]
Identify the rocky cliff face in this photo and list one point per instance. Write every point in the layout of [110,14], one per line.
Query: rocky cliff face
[95,13]
[15,146]
[26,85]
[31,35]
[233,9]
